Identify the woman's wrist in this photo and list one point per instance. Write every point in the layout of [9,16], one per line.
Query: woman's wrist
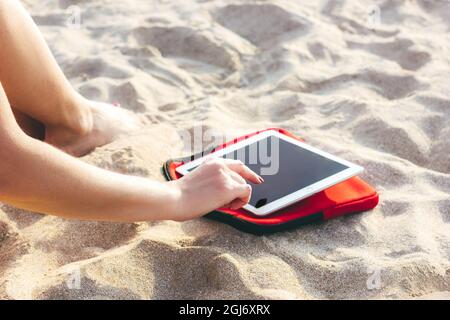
[147,200]
[174,201]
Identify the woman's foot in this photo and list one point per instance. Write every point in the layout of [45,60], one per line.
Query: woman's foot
[103,124]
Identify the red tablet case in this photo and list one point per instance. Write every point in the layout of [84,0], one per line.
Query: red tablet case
[352,195]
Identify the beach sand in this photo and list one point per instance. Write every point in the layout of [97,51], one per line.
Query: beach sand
[366,80]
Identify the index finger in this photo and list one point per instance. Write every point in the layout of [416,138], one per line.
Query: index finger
[240,168]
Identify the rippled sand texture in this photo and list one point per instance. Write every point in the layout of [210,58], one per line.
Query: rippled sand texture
[373,91]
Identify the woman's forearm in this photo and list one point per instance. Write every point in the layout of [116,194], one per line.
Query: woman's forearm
[38,177]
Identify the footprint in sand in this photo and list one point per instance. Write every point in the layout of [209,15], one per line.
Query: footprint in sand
[377,171]
[260,23]
[390,86]
[383,136]
[127,96]
[12,246]
[89,289]
[22,218]
[59,20]
[394,208]
[444,209]
[439,153]
[79,240]
[91,67]
[188,43]
[337,10]
[399,50]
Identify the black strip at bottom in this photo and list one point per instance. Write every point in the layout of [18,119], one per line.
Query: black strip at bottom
[260,229]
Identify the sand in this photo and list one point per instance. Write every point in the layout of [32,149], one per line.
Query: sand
[367,80]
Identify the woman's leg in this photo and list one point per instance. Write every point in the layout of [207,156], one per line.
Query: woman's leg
[32,79]
[36,86]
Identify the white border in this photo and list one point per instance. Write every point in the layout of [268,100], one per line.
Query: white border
[291,198]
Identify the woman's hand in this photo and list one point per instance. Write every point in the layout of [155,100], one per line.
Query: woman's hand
[216,183]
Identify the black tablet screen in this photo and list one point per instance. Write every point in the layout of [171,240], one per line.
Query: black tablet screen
[284,166]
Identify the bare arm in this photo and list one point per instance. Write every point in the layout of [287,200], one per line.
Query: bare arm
[38,177]
[41,178]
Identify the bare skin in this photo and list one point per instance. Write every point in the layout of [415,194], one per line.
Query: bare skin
[36,86]
[36,100]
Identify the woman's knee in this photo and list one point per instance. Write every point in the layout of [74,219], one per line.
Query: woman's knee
[7,4]
[4,8]
[7,8]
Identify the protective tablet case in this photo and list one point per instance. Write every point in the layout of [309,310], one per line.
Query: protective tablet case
[350,196]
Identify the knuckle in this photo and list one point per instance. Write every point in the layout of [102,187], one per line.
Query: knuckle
[240,165]
[213,163]
[222,177]
[223,186]
[222,182]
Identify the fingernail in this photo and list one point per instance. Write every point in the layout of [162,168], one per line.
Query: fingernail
[261,180]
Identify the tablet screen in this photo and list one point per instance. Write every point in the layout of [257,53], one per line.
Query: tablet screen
[285,171]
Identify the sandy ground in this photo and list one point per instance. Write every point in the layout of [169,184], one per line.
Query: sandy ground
[374,91]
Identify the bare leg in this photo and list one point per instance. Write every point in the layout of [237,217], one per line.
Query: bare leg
[31,76]
[36,86]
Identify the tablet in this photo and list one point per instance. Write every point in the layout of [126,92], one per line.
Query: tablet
[292,170]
